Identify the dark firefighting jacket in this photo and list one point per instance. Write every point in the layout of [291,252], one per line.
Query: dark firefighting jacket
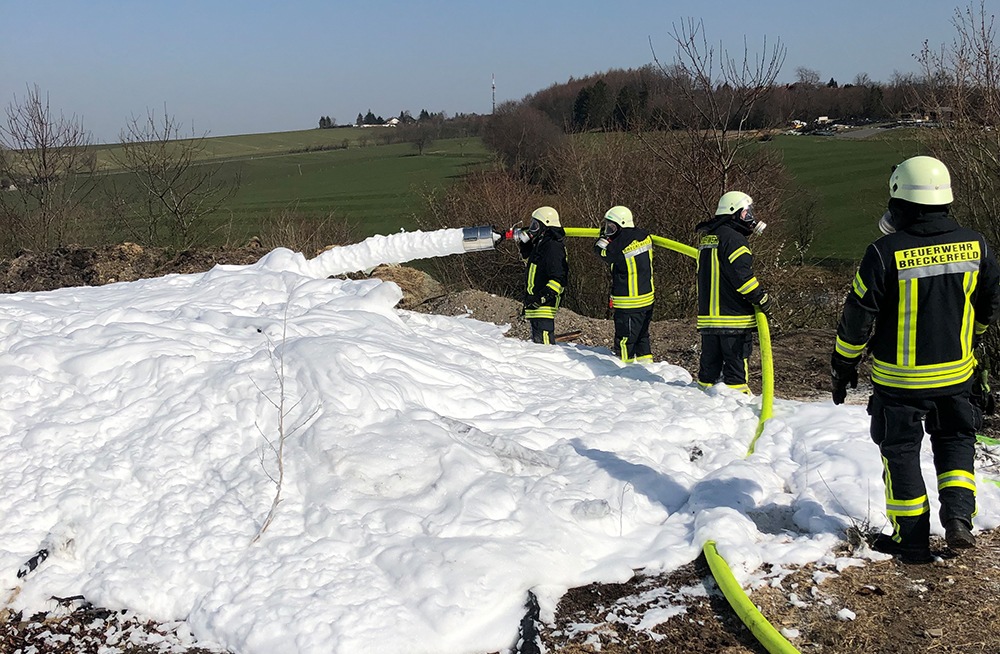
[630,256]
[927,290]
[546,273]
[727,288]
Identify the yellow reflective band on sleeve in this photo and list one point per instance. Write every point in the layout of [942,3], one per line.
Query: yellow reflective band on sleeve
[957,479]
[922,377]
[849,350]
[980,328]
[859,286]
[738,252]
[896,508]
[532,268]
[555,286]
[751,284]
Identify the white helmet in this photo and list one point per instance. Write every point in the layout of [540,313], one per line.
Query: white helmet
[732,202]
[547,216]
[921,180]
[620,215]
[740,206]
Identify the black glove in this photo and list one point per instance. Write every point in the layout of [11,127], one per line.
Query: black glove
[535,301]
[843,373]
[766,305]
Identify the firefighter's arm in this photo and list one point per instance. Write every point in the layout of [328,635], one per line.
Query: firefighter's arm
[861,305]
[740,273]
[987,305]
[555,275]
[856,321]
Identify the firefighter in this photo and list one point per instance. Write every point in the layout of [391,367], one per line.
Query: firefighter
[543,248]
[922,298]
[628,251]
[728,292]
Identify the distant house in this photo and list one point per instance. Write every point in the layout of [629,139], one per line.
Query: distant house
[392,122]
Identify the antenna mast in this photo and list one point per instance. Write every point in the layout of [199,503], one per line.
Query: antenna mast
[494,93]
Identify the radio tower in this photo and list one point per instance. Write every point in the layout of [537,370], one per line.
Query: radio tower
[494,93]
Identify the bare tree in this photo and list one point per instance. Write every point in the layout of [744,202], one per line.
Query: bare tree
[420,135]
[46,163]
[711,119]
[168,190]
[807,76]
[961,91]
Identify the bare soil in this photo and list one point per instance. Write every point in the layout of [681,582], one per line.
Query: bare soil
[947,607]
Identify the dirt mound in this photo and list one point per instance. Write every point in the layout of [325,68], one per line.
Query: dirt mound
[86,266]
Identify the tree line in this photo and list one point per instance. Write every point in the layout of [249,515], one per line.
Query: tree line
[668,139]
[369,119]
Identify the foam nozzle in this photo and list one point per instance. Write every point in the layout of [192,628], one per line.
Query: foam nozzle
[477,239]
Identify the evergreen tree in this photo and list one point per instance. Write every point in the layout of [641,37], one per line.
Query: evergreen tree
[369,118]
[360,121]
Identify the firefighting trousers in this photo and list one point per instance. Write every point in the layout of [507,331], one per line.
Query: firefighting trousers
[897,427]
[543,330]
[727,354]
[632,334]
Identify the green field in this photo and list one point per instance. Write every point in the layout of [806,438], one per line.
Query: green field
[379,188]
[849,178]
[375,188]
[244,146]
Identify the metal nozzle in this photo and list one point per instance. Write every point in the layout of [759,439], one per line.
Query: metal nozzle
[477,239]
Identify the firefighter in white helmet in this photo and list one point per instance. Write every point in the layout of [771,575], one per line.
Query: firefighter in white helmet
[728,291]
[923,296]
[543,248]
[628,251]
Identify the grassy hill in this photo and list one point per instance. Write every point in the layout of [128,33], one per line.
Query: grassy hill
[849,178]
[378,188]
[375,188]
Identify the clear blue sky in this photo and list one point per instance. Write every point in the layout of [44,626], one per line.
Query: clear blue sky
[230,67]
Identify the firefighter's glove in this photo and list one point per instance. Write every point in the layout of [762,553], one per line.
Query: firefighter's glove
[535,302]
[843,373]
[766,305]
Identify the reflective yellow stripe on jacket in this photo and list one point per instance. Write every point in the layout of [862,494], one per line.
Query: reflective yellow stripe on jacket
[635,299]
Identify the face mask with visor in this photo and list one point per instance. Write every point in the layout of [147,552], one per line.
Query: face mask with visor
[750,224]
